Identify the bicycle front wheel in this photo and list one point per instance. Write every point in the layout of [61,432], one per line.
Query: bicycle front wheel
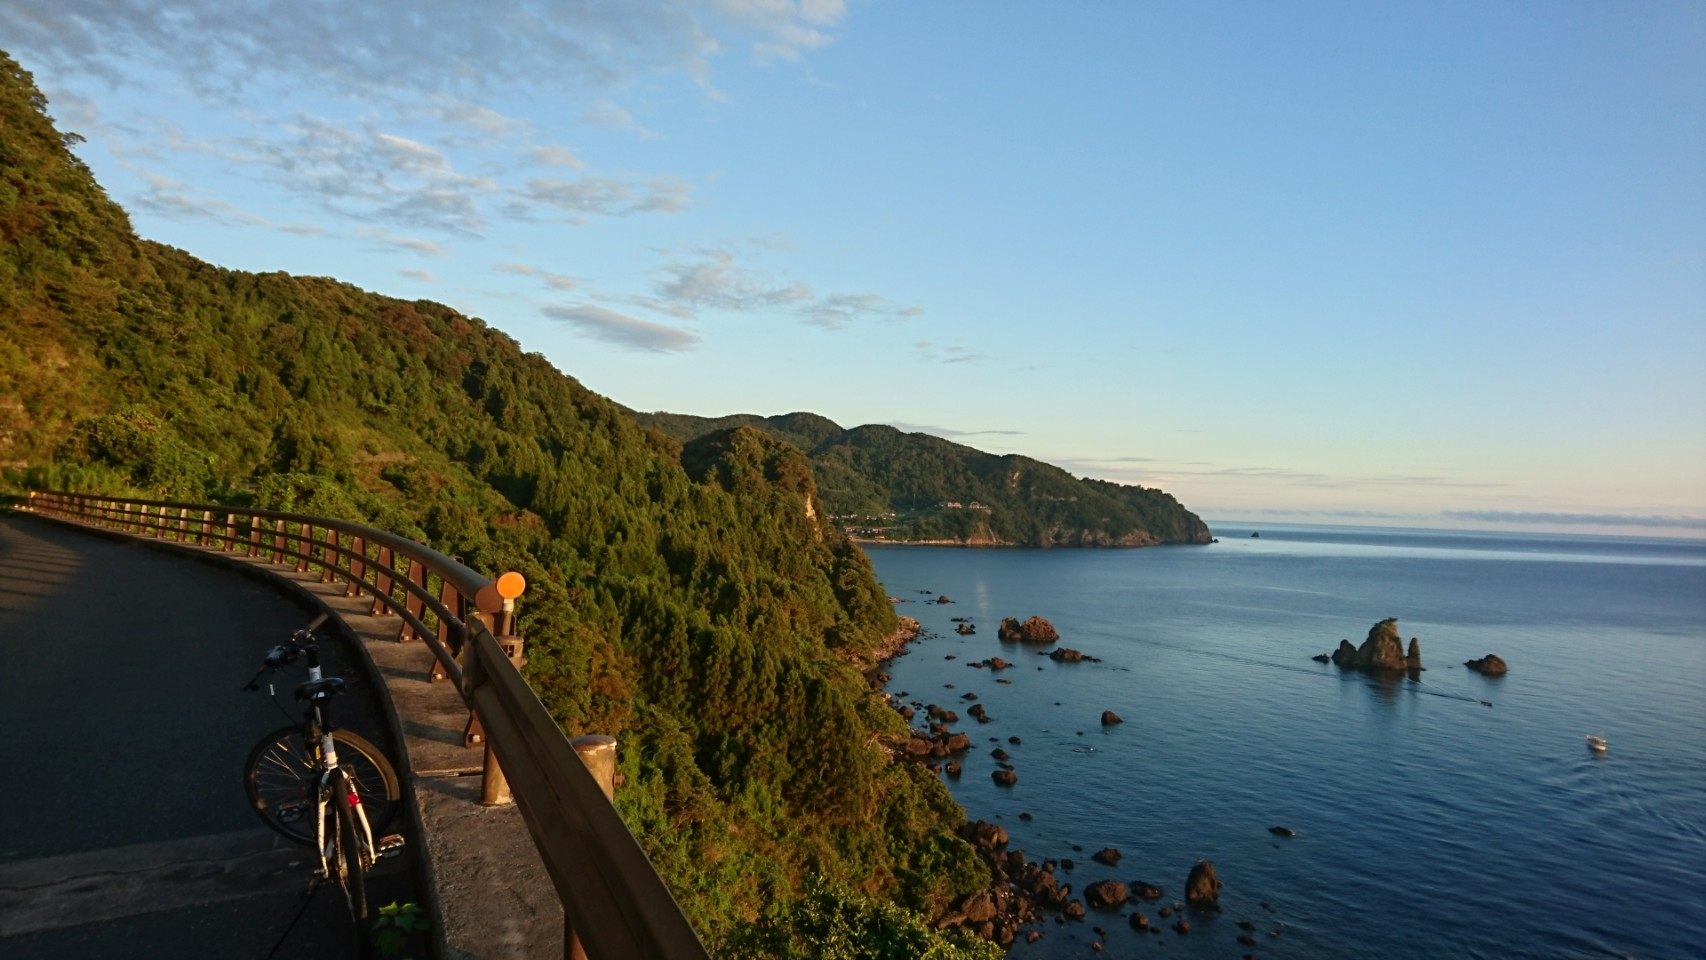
[282,781]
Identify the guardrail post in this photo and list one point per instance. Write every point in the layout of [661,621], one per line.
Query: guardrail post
[382,583]
[412,601]
[598,752]
[329,557]
[357,567]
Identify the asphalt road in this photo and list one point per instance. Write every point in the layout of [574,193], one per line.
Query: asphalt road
[124,827]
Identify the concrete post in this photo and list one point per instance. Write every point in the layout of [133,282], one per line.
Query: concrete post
[598,752]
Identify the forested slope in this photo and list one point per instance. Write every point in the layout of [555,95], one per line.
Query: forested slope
[691,599]
[940,490]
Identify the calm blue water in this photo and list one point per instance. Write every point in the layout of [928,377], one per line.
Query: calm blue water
[1428,824]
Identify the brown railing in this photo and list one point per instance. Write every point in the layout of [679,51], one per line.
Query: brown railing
[614,904]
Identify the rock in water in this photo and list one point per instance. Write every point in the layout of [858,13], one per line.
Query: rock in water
[1004,778]
[1202,887]
[1282,831]
[1491,665]
[1035,630]
[1107,893]
[1109,718]
[1106,855]
[1384,649]
[1346,655]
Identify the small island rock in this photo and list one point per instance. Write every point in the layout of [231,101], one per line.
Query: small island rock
[1035,630]
[1202,886]
[1110,718]
[1492,665]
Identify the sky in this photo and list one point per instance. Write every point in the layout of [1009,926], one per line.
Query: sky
[1412,264]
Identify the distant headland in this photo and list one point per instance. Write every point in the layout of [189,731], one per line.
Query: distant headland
[882,485]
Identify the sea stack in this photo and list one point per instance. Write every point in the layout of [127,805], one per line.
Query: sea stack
[1383,650]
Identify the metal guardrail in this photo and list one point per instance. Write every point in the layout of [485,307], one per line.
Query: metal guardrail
[614,904]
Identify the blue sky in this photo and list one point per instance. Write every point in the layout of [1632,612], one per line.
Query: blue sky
[1423,264]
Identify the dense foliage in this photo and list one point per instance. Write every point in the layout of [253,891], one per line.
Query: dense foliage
[692,599]
[913,486]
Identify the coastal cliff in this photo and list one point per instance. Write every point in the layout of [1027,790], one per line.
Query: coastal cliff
[693,599]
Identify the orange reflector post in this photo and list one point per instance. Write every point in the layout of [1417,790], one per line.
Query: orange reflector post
[511,585]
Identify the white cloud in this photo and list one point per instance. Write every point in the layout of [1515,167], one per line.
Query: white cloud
[555,281]
[406,49]
[556,157]
[714,279]
[604,196]
[623,330]
[421,275]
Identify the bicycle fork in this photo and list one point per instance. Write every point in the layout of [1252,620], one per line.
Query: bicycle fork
[365,856]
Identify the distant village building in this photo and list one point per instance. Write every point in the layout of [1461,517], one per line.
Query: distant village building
[952,505]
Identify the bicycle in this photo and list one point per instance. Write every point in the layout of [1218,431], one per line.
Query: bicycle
[315,776]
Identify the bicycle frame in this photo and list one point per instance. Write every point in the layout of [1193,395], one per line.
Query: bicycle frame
[334,786]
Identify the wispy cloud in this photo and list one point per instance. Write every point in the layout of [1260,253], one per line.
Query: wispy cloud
[555,156]
[166,197]
[714,278]
[716,282]
[414,245]
[1548,518]
[602,196]
[421,275]
[945,432]
[402,50]
[555,281]
[622,329]
[946,354]
[371,175]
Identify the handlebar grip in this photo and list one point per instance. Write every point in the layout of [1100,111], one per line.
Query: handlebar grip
[322,618]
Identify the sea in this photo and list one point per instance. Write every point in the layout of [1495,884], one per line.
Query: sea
[1453,815]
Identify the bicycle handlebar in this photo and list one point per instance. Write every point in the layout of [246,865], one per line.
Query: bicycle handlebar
[288,652]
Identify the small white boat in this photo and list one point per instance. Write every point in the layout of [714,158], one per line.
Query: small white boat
[1596,743]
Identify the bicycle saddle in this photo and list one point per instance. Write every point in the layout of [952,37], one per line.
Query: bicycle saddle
[320,689]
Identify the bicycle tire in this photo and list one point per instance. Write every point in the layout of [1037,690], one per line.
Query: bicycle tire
[346,865]
[279,779]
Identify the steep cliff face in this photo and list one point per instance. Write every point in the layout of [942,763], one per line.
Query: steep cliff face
[695,600]
[912,487]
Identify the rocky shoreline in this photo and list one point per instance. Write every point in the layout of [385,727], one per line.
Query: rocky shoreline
[1027,895]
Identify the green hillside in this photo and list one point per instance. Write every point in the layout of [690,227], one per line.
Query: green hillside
[691,599]
[889,485]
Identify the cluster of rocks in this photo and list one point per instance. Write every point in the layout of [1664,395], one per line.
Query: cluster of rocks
[1025,892]
[1069,655]
[1035,630]
[938,740]
[993,663]
[965,628]
[1382,651]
